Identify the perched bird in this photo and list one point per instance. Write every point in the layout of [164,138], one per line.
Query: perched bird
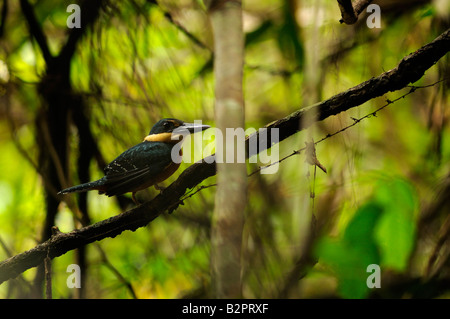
[145,164]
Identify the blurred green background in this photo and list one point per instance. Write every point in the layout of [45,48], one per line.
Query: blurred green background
[384,200]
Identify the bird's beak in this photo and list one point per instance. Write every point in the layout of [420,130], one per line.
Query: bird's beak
[186,129]
[194,127]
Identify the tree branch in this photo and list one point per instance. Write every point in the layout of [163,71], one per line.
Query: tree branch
[348,13]
[409,70]
[90,11]
[36,30]
[351,12]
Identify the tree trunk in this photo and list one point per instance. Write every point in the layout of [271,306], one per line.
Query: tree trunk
[228,219]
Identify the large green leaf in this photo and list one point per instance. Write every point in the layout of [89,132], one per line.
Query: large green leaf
[395,231]
[381,232]
[350,255]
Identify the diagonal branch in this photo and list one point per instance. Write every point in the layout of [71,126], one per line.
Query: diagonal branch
[409,70]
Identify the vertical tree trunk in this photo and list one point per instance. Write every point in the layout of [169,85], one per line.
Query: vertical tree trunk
[228,219]
[54,117]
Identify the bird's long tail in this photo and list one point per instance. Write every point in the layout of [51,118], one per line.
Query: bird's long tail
[84,187]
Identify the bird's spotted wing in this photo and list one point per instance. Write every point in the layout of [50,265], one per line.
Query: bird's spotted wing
[137,168]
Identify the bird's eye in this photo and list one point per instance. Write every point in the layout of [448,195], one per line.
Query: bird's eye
[166,124]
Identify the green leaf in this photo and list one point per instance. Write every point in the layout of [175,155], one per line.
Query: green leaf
[349,256]
[395,232]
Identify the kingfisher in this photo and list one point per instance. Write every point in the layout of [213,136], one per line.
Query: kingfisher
[145,164]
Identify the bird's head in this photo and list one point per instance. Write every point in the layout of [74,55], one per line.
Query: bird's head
[171,130]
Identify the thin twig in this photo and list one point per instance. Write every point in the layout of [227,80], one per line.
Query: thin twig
[116,272]
[48,276]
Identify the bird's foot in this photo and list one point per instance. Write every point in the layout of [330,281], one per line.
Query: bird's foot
[133,196]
